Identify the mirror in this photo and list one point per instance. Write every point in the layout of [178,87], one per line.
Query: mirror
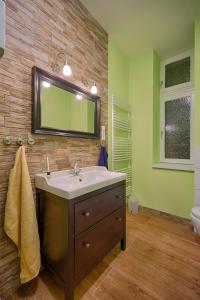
[65,110]
[61,108]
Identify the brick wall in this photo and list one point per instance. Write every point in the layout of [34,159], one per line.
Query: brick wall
[36,31]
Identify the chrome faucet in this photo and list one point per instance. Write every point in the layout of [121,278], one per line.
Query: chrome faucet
[77,167]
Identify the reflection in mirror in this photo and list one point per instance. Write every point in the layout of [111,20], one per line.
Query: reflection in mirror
[64,110]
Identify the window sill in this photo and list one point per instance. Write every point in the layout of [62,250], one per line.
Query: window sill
[172,166]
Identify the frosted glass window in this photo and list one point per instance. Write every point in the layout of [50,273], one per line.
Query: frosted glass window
[177,128]
[177,72]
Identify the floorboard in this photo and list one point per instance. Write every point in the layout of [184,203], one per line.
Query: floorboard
[161,262]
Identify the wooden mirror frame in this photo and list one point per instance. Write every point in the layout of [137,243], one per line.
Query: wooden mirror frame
[39,75]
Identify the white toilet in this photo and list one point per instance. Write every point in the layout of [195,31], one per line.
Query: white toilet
[195,216]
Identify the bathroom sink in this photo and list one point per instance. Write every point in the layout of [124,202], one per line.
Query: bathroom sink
[67,185]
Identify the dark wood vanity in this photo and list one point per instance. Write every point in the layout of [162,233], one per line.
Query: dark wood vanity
[76,234]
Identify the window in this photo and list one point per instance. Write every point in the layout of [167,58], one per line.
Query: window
[177,71]
[176,127]
[177,101]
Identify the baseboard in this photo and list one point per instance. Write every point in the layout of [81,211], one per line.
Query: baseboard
[165,215]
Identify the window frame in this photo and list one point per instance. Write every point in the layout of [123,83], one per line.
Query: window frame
[189,53]
[170,96]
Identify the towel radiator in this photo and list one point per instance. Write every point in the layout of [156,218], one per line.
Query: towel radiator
[122,142]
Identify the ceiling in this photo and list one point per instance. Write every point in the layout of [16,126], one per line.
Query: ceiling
[165,25]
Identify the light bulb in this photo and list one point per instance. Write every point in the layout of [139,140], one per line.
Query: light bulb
[46,84]
[94,89]
[67,71]
[79,97]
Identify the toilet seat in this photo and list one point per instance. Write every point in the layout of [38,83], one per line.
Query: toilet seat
[196,212]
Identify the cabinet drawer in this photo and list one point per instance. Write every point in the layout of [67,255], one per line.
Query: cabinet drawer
[92,245]
[92,210]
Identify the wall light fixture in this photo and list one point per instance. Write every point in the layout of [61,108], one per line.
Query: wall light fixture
[93,85]
[55,66]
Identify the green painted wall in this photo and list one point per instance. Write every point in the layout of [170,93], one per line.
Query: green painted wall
[118,84]
[156,108]
[197,82]
[137,80]
[165,190]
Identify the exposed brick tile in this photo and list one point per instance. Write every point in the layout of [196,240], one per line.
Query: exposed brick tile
[35,32]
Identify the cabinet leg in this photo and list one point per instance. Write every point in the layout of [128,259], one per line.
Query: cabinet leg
[69,293]
[123,244]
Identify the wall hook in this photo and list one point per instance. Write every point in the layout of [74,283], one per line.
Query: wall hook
[31,140]
[7,140]
[20,141]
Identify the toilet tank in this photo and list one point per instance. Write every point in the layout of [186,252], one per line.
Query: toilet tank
[2,26]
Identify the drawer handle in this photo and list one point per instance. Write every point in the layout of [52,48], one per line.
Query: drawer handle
[86,214]
[86,245]
[119,219]
[118,196]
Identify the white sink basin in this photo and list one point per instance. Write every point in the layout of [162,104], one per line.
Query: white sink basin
[66,185]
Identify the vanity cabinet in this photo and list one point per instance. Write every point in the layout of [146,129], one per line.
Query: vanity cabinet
[76,234]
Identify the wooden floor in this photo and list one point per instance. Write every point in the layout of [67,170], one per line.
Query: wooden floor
[162,261]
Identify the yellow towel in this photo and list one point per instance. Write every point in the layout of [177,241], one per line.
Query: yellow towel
[20,218]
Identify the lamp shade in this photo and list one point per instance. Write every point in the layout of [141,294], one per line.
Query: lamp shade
[94,89]
[67,71]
